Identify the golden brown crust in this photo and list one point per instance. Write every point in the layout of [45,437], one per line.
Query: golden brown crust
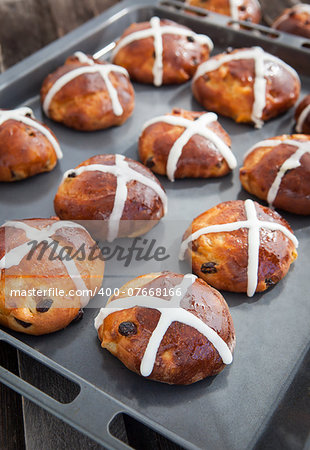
[181,57]
[24,151]
[229,89]
[84,103]
[184,355]
[221,259]
[199,157]
[249,10]
[306,123]
[261,167]
[294,21]
[90,196]
[35,314]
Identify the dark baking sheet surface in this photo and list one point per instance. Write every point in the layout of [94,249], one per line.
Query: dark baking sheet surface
[232,409]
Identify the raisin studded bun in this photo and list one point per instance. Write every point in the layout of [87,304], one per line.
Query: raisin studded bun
[186,144]
[248,85]
[49,271]
[161,52]
[278,170]
[178,332]
[295,20]
[118,197]
[88,94]
[248,10]
[302,116]
[240,246]
[27,147]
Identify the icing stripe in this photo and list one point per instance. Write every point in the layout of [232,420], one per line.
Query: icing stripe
[15,256]
[254,226]
[156,31]
[291,163]
[20,116]
[171,311]
[302,118]
[119,199]
[103,69]
[253,247]
[158,46]
[259,88]
[234,11]
[124,174]
[192,127]
[265,143]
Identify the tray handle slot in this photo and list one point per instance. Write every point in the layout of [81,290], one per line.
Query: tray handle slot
[90,411]
[262,31]
[42,377]
[138,435]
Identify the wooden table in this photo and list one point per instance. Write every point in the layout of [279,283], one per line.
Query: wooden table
[26,26]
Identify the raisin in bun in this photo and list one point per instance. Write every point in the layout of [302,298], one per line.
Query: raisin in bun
[248,85]
[278,170]
[240,246]
[47,269]
[117,196]
[186,144]
[178,332]
[172,57]
[27,147]
[302,116]
[248,10]
[88,94]
[295,20]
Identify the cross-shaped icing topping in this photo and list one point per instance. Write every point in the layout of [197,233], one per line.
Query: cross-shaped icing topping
[254,225]
[192,127]
[157,31]
[171,311]
[292,162]
[124,173]
[26,116]
[15,256]
[259,57]
[103,69]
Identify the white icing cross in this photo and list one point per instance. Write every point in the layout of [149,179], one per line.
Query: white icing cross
[259,88]
[192,127]
[302,118]
[103,69]
[124,173]
[15,256]
[290,163]
[156,31]
[254,226]
[171,311]
[21,115]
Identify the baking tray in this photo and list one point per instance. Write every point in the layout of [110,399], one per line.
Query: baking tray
[235,409]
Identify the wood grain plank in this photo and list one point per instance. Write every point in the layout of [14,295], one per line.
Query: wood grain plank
[28,25]
[24,28]
[11,415]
